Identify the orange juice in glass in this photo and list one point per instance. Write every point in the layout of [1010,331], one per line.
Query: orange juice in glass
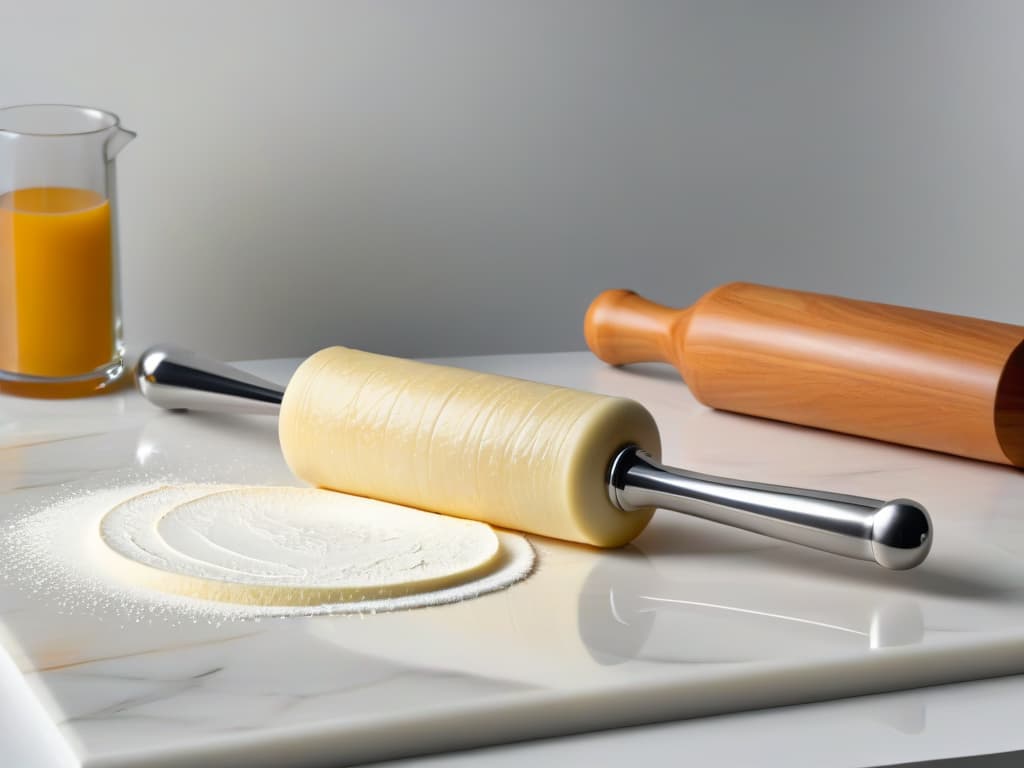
[60,325]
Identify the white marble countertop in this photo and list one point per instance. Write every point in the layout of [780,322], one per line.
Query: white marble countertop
[74,692]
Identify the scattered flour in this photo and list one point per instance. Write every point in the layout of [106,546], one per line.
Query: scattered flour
[227,552]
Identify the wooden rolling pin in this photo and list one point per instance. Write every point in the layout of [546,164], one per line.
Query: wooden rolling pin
[926,379]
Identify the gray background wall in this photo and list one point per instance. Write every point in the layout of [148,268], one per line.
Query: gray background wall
[428,177]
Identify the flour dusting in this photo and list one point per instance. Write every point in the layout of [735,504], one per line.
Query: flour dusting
[59,554]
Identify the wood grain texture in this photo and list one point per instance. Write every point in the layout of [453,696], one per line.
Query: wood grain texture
[926,379]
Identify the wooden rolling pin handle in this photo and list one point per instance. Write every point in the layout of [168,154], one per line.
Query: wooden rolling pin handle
[622,327]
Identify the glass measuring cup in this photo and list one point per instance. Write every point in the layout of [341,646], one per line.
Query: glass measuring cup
[60,309]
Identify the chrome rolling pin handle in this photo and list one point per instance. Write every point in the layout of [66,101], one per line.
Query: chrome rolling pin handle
[895,534]
[179,379]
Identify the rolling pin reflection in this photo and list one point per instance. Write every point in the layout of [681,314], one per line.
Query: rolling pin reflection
[722,621]
[584,617]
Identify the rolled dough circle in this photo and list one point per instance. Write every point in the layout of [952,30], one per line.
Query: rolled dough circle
[300,547]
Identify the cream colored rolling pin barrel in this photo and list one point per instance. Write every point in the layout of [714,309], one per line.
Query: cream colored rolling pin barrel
[517,454]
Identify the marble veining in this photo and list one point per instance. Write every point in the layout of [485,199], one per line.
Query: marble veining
[691,619]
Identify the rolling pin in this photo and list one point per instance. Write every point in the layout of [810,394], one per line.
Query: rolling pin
[925,379]
[517,454]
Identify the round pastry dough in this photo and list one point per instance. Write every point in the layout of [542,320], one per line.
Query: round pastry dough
[291,546]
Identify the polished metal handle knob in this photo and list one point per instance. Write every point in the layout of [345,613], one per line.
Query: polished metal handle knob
[180,380]
[895,534]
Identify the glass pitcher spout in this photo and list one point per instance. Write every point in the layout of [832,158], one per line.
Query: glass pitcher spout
[118,140]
